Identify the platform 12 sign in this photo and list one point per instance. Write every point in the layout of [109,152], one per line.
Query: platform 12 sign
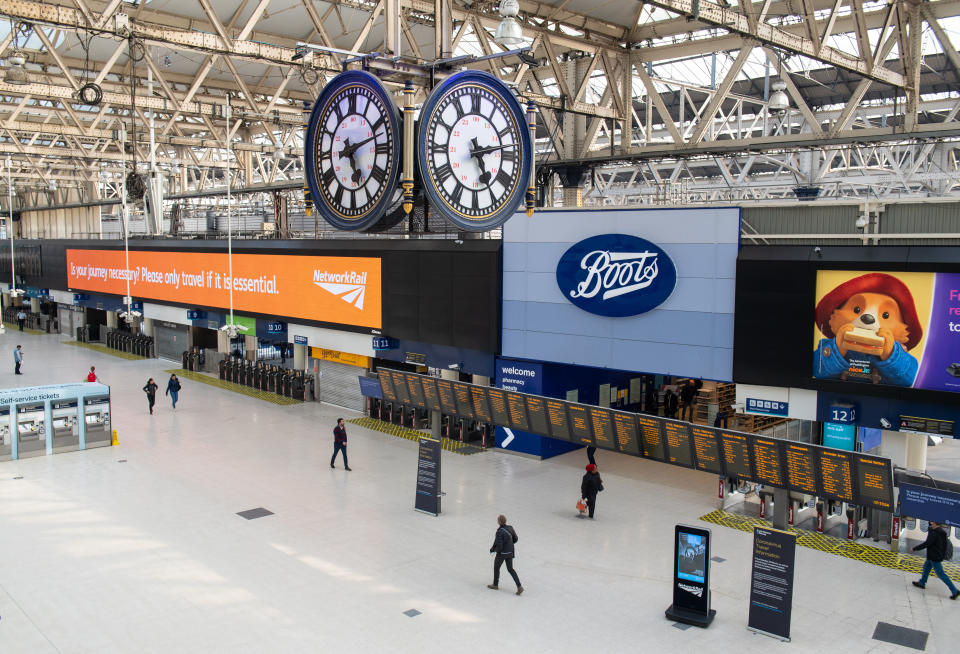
[616,275]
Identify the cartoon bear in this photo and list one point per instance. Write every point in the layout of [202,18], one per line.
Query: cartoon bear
[870,324]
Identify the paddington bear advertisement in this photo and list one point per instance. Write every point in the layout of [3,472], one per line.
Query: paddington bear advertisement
[900,329]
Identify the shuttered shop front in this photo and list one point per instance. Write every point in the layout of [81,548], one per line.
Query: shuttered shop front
[338,383]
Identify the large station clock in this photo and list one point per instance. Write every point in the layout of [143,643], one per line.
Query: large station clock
[474,151]
[352,151]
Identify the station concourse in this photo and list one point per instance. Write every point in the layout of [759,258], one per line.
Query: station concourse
[139,548]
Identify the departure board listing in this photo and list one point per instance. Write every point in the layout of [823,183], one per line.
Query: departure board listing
[736,455]
[518,411]
[387,384]
[602,428]
[559,425]
[801,468]
[416,391]
[874,482]
[498,407]
[651,435]
[461,393]
[677,438]
[537,412]
[580,424]
[431,395]
[706,445]
[767,459]
[626,428]
[447,401]
[481,408]
[836,472]
[400,387]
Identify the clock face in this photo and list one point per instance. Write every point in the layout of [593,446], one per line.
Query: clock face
[353,151]
[474,151]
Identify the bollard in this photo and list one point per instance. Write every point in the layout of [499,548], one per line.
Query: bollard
[113,441]
[851,532]
[819,517]
[790,512]
[763,506]
[720,488]
[895,534]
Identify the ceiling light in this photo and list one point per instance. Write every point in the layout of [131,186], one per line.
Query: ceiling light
[779,101]
[509,34]
[16,73]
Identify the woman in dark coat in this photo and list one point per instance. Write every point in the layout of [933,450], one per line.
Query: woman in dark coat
[151,390]
[173,389]
[590,486]
[503,543]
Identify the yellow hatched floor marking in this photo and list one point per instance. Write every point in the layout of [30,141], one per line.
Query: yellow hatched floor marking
[14,327]
[413,435]
[833,545]
[236,388]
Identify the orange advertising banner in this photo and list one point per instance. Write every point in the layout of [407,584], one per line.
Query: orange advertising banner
[344,290]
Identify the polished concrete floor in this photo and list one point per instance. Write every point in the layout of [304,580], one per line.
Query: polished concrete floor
[139,548]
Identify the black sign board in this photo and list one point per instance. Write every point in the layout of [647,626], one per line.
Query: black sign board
[537,412]
[801,464]
[416,391]
[415,358]
[461,393]
[580,430]
[557,413]
[400,386]
[736,455]
[603,434]
[626,429]
[926,425]
[518,411]
[771,582]
[836,474]
[499,410]
[447,401]
[428,477]
[386,383]
[651,436]
[431,394]
[481,407]
[706,444]
[691,577]
[768,461]
[369,387]
[679,446]
[874,482]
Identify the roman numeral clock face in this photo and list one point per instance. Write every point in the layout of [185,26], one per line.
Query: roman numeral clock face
[353,151]
[474,150]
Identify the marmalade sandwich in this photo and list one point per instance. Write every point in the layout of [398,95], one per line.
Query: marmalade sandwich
[863,340]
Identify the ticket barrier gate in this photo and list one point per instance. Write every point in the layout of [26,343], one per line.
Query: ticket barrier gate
[31,430]
[66,425]
[251,374]
[299,385]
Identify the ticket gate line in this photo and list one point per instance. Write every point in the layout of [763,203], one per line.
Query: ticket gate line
[454,446]
[233,386]
[105,350]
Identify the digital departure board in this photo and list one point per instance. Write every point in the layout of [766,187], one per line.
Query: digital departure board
[416,392]
[400,386]
[499,410]
[736,455]
[481,407]
[518,411]
[836,474]
[430,394]
[801,467]
[874,482]
[537,413]
[386,383]
[651,436]
[580,424]
[447,400]
[678,442]
[706,444]
[625,427]
[768,461]
[559,424]
[601,421]
[461,394]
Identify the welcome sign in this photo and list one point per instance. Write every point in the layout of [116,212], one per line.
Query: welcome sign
[616,275]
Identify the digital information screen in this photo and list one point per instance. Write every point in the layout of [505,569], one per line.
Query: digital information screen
[447,400]
[386,383]
[537,412]
[600,420]
[400,387]
[768,460]
[481,408]
[801,467]
[559,425]
[874,482]
[518,411]
[652,438]
[416,392]
[736,455]
[461,393]
[430,394]
[499,410]
[707,446]
[836,475]
[677,437]
[580,424]
[626,430]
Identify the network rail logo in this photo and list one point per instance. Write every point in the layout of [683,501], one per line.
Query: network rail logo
[349,286]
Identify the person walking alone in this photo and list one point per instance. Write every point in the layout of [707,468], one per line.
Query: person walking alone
[151,390]
[340,443]
[590,486]
[92,375]
[503,546]
[17,360]
[936,546]
[21,319]
[173,389]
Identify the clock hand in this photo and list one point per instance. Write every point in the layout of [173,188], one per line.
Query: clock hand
[351,149]
[476,154]
[492,148]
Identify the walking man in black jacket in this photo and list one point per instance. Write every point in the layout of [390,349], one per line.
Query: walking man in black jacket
[936,546]
[503,546]
[340,443]
[590,486]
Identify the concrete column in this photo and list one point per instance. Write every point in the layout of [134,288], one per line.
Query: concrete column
[223,342]
[300,353]
[481,380]
[916,452]
[250,345]
[34,305]
[112,319]
[893,445]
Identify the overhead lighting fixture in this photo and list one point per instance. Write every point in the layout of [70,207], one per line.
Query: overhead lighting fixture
[509,34]
[278,154]
[16,73]
[779,101]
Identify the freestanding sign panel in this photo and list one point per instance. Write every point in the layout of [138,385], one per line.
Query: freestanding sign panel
[428,476]
[771,582]
[691,577]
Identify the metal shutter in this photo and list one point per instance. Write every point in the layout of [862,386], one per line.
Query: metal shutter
[339,385]
[65,318]
[171,342]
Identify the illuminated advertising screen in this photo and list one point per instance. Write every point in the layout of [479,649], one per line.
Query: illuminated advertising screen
[894,328]
[344,290]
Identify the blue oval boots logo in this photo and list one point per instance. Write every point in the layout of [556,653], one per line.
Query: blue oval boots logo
[616,275]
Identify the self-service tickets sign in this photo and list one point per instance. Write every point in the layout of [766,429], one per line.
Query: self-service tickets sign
[343,290]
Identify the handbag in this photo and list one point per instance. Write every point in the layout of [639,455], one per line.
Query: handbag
[581,505]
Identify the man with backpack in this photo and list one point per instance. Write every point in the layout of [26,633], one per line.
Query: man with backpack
[938,548]
[503,544]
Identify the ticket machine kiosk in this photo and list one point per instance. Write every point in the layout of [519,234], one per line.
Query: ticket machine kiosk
[66,425]
[31,430]
[5,438]
[96,416]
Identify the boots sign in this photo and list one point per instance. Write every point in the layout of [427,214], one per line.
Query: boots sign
[616,275]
